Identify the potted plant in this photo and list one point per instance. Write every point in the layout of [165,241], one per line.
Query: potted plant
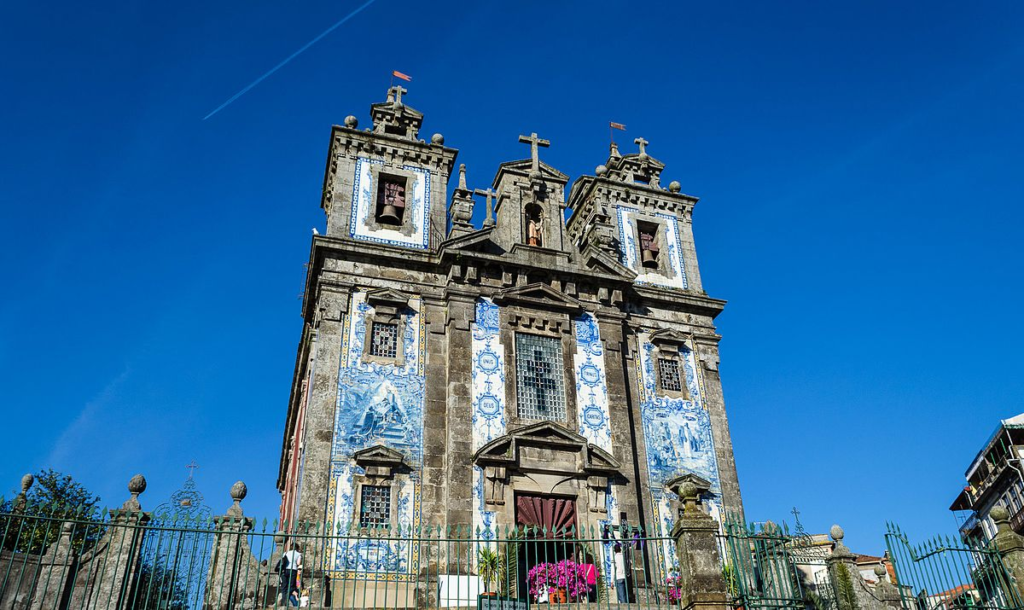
[541,581]
[673,588]
[488,564]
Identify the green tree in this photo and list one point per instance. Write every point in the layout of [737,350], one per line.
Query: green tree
[53,500]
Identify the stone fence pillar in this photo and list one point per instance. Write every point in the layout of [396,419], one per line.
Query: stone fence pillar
[700,567]
[851,592]
[56,568]
[1010,545]
[233,579]
[105,575]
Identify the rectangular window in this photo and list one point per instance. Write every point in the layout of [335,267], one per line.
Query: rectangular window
[384,340]
[375,506]
[540,378]
[668,372]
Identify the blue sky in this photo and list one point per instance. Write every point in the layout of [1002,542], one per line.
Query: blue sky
[859,167]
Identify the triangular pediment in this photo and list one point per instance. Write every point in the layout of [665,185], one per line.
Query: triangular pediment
[669,336]
[387,296]
[676,484]
[506,450]
[477,241]
[539,294]
[379,455]
[595,258]
[524,166]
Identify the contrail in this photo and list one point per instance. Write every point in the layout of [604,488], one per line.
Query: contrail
[289,58]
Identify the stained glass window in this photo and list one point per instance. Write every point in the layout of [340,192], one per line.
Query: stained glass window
[669,373]
[375,506]
[541,386]
[384,340]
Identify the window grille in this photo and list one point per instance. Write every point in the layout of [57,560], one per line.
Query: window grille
[669,373]
[539,373]
[375,506]
[384,340]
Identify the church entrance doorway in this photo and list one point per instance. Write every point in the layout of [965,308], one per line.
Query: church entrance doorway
[550,535]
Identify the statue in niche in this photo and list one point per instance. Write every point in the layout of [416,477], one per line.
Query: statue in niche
[534,225]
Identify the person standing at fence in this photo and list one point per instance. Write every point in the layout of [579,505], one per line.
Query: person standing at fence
[619,574]
[289,567]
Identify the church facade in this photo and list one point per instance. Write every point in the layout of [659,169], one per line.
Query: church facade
[530,370]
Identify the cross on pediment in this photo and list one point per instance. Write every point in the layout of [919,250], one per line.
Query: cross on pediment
[398,91]
[534,143]
[643,145]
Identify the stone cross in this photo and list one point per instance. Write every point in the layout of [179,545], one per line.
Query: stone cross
[643,145]
[398,91]
[489,219]
[191,467]
[534,142]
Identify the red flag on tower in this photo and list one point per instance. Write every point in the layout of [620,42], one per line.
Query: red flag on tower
[404,77]
[615,125]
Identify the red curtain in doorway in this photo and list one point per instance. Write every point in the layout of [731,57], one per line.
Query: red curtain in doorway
[554,514]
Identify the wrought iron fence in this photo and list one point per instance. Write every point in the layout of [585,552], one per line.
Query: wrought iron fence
[943,573]
[760,568]
[133,560]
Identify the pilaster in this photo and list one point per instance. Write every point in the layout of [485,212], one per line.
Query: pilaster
[707,353]
[332,309]
[459,415]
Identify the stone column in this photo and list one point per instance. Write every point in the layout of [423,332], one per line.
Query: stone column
[1010,545]
[332,305]
[700,567]
[232,578]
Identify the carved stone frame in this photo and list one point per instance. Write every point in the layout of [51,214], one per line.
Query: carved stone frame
[537,309]
[389,307]
[407,227]
[669,345]
[665,267]
[382,466]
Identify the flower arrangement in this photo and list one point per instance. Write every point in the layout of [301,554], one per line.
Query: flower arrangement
[547,578]
[673,587]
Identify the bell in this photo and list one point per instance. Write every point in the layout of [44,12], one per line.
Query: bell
[389,215]
[648,259]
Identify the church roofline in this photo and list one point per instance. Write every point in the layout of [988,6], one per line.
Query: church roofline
[585,184]
[522,167]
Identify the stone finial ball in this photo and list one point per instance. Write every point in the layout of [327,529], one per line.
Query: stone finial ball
[26,482]
[879,571]
[137,484]
[674,186]
[999,513]
[351,122]
[688,490]
[836,532]
[601,170]
[239,491]
[437,138]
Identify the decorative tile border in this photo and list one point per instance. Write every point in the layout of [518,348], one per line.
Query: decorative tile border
[377,404]
[628,249]
[593,417]
[418,207]
[677,434]
[488,398]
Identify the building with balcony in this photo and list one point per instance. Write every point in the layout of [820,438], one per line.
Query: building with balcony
[994,478]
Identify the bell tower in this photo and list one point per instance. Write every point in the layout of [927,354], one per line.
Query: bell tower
[384,185]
